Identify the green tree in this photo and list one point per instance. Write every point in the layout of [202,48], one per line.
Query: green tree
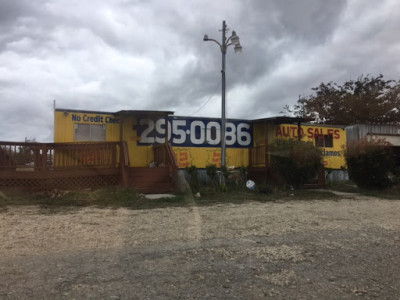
[365,100]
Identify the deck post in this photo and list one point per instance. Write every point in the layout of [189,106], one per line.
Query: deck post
[266,158]
[44,158]
[299,131]
[166,136]
[122,162]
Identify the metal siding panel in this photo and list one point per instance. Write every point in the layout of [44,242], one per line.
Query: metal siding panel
[352,133]
[360,131]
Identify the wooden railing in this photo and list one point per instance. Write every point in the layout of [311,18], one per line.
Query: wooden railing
[50,156]
[93,155]
[257,156]
[165,156]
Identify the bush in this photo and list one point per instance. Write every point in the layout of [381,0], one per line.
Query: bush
[194,178]
[211,171]
[238,177]
[296,162]
[370,162]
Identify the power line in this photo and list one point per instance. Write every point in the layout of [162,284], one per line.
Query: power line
[209,98]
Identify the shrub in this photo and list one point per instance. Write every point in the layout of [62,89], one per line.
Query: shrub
[194,178]
[237,177]
[296,162]
[370,162]
[211,171]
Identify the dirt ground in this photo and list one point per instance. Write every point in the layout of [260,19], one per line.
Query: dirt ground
[346,249]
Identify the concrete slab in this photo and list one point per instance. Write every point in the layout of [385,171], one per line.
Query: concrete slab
[158,196]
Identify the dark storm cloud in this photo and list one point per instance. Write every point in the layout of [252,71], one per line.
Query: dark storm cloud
[121,54]
[11,10]
[268,31]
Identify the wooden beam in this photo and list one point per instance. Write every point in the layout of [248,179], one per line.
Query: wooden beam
[266,144]
[299,131]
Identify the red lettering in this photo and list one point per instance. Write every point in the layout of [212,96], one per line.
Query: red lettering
[286,133]
[182,157]
[310,133]
[330,131]
[184,165]
[337,134]
[294,131]
[278,131]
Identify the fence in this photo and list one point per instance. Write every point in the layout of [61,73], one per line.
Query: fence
[50,156]
[39,166]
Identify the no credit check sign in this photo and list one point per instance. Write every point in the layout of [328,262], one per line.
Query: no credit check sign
[194,132]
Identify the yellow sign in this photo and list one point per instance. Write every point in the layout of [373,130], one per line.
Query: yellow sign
[331,140]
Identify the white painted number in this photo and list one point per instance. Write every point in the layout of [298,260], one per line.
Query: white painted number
[145,139]
[230,134]
[178,132]
[243,137]
[160,128]
[197,132]
[193,138]
[213,133]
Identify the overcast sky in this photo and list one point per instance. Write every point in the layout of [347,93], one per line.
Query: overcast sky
[150,55]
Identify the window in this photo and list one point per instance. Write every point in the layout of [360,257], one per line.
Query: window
[324,141]
[90,133]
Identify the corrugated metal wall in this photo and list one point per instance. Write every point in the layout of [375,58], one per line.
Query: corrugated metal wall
[356,132]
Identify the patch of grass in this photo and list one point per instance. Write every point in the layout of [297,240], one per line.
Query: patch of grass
[345,187]
[120,197]
[67,201]
[392,192]
[63,201]
[261,194]
[305,194]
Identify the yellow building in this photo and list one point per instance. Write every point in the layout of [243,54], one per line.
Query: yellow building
[331,139]
[195,140]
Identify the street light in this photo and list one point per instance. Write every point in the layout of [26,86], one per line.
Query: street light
[226,42]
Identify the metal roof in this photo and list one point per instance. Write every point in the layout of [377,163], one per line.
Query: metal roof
[141,113]
[121,112]
[283,119]
[84,111]
[359,131]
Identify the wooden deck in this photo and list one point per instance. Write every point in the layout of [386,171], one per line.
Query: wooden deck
[68,166]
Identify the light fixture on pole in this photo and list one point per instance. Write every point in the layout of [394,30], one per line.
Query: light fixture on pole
[226,42]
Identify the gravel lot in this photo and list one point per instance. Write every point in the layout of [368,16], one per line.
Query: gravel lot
[323,249]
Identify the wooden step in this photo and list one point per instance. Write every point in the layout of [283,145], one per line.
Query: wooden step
[257,174]
[159,188]
[150,180]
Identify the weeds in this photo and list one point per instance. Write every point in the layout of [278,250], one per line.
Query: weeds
[392,192]
[67,201]
[102,198]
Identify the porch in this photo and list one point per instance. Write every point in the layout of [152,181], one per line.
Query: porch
[67,166]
